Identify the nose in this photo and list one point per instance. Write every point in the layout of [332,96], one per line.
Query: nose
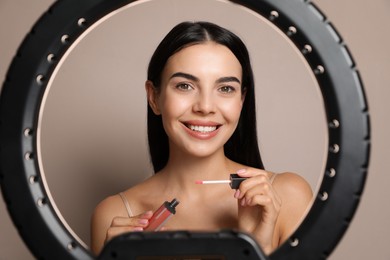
[205,103]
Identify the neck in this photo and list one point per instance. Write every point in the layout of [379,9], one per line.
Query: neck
[182,171]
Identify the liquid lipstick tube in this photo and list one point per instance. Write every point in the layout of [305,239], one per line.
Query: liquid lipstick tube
[161,215]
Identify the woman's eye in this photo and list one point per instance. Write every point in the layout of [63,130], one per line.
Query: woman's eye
[184,86]
[227,89]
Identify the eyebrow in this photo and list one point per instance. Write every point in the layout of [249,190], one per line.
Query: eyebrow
[184,75]
[228,79]
[194,78]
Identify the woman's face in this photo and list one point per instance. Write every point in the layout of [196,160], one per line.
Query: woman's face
[200,98]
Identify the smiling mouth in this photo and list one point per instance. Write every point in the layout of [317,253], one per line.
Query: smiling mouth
[202,129]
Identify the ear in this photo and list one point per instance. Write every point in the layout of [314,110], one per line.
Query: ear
[152,96]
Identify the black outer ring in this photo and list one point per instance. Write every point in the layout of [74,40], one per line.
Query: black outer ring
[347,113]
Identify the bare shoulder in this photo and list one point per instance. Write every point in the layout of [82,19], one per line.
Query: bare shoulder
[292,185]
[101,220]
[113,206]
[111,203]
[296,196]
[107,209]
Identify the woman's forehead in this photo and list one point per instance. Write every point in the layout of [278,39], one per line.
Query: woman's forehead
[204,58]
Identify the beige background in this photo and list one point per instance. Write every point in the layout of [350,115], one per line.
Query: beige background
[106,122]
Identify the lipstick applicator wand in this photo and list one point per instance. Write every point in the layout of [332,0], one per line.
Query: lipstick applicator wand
[234,181]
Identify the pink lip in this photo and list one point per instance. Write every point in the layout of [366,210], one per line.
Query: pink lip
[200,135]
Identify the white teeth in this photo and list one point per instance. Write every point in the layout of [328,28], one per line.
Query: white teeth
[202,129]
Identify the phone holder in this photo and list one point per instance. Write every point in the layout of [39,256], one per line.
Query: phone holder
[183,245]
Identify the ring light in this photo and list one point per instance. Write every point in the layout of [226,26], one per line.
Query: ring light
[24,188]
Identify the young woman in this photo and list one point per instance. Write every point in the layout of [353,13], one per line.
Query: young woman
[202,126]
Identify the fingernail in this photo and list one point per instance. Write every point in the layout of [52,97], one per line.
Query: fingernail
[241,171]
[138,229]
[143,221]
[237,194]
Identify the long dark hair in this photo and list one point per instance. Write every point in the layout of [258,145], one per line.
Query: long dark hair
[242,147]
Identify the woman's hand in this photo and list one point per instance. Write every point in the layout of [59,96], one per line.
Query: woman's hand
[120,225]
[258,207]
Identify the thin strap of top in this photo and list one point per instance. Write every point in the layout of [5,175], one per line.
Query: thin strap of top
[271,180]
[127,205]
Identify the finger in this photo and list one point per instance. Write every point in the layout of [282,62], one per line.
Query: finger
[254,182]
[147,214]
[271,208]
[260,199]
[262,195]
[264,188]
[141,220]
[250,172]
[125,222]
[237,193]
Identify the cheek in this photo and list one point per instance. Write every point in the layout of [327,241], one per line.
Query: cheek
[232,110]
[172,106]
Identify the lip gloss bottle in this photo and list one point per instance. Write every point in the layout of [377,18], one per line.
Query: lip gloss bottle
[161,215]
